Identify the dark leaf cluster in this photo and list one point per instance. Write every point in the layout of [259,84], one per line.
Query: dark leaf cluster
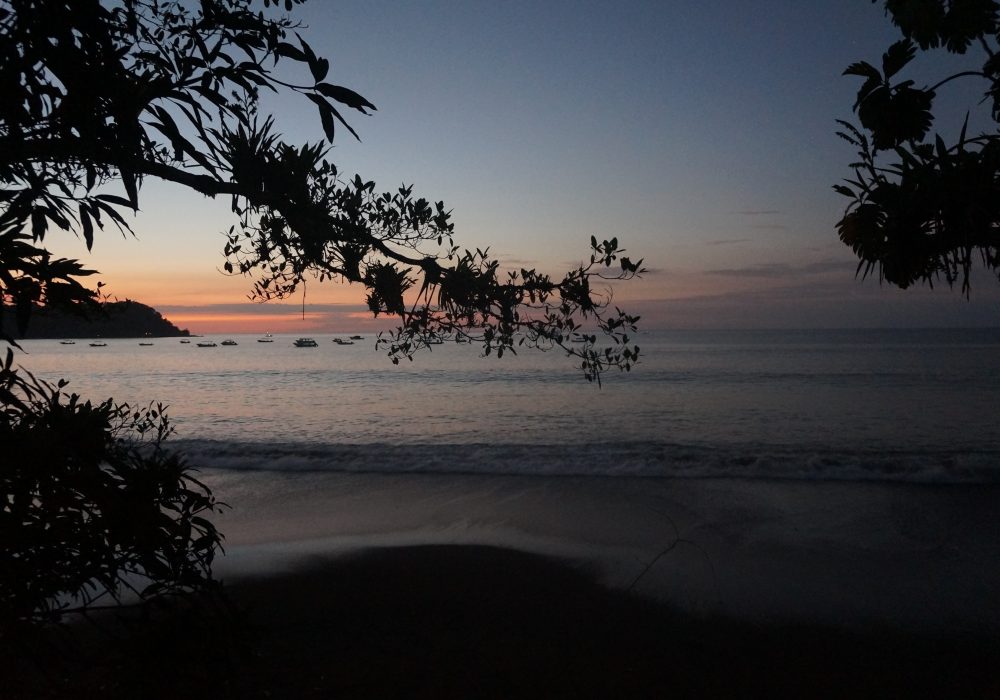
[953,24]
[473,301]
[30,277]
[922,209]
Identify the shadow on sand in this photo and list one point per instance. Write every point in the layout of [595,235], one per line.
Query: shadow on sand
[483,622]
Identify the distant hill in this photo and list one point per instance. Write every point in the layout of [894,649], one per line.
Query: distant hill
[118,319]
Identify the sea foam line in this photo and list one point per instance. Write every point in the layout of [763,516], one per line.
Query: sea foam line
[645,459]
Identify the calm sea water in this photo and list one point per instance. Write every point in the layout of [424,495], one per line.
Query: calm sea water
[916,406]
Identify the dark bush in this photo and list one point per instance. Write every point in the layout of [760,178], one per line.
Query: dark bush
[93,508]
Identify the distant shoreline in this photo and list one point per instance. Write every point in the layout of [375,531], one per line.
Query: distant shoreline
[119,319]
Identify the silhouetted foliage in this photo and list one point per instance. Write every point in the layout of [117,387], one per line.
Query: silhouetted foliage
[100,95]
[922,209]
[92,505]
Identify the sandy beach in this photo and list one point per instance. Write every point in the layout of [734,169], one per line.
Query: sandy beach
[467,621]
[846,554]
[450,621]
[424,586]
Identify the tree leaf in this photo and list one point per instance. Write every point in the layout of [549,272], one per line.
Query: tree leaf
[88,226]
[319,69]
[114,199]
[325,115]
[38,223]
[345,96]
[897,56]
[864,69]
[131,188]
[343,121]
[283,48]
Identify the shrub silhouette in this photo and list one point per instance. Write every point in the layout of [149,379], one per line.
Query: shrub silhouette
[94,508]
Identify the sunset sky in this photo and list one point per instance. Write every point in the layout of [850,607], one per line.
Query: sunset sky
[701,134]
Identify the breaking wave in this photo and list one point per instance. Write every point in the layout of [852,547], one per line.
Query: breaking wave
[649,459]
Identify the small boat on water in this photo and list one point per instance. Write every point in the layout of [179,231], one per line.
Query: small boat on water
[305,343]
[145,345]
[341,341]
[186,342]
[67,342]
[208,344]
[268,338]
[98,344]
[229,342]
[357,337]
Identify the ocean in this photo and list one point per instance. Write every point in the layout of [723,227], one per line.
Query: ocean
[841,477]
[897,405]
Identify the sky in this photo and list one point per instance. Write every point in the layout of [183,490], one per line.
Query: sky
[701,134]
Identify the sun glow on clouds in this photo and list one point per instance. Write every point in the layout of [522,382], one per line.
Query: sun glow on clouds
[340,308]
[208,322]
[210,302]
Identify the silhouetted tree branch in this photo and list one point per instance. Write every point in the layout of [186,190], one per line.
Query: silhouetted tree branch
[105,95]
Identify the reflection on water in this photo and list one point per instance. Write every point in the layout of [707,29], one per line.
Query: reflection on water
[917,389]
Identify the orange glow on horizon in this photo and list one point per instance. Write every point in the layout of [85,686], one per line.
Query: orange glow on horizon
[165,287]
[199,292]
[211,322]
[211,317]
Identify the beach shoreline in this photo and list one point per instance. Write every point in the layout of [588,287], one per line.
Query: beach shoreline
[485,586]
[849,554]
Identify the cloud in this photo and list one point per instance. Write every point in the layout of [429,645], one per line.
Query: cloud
[822,266]
[279,318]
[253,309]
[771,226]
[784,270]
[823,303]
[728,241]
[768,270]
[519,262]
